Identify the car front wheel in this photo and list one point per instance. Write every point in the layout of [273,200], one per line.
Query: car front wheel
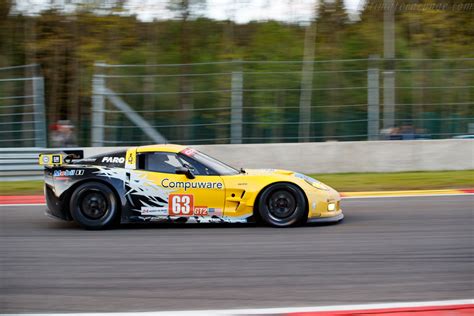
[282,205]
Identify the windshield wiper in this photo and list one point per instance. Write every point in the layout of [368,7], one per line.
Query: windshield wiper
[242,170]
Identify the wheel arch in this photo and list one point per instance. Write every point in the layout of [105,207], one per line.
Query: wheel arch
[68,194]
[256,203]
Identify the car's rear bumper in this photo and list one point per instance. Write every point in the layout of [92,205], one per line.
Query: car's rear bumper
[332,219]
[56,207]
[59,216]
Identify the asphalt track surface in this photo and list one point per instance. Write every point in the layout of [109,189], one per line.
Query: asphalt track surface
[386,250]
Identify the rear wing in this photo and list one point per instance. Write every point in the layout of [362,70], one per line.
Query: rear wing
[57,159]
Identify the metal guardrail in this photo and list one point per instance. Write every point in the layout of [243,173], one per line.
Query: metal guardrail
[18,164]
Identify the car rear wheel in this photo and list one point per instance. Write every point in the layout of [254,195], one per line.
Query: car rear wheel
[94,206]
[282,205]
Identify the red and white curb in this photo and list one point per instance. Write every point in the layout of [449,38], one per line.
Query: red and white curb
[434,308]
[21,200]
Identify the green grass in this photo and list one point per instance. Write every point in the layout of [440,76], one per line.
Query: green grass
[347,182]
[21,188]
[343,182]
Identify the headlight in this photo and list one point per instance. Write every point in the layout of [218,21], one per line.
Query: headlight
[331,207]
[313,182]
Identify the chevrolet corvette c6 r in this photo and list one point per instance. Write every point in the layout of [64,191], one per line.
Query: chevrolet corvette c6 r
[172,183]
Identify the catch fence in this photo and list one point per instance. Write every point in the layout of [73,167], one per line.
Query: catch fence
[22,111]
[263,101]
[254,102]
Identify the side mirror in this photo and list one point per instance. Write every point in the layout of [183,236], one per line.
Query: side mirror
[186,171]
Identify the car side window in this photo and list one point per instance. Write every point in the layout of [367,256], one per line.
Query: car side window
[161,162]
[198,168]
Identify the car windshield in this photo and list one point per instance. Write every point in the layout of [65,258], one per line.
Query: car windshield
[214,164]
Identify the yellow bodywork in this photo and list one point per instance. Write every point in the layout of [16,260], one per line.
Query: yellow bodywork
[50,159]
[234,196]
[254,181]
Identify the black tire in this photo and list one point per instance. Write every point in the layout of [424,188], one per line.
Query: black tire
[94,206]
[282,205]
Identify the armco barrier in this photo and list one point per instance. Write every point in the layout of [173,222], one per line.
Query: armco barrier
[22,163]
[329,157]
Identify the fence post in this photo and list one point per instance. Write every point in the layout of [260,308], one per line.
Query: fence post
[98,106]
[389,73]
[236,113]
[307,82]
[40,117]
[373,106]
[388,99]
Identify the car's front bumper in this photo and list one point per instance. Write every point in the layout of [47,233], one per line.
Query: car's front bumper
[324,206]
[333,219]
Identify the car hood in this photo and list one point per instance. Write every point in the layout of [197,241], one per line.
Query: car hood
[284,174]
[267,172]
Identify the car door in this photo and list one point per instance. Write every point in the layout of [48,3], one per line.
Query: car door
[201,196]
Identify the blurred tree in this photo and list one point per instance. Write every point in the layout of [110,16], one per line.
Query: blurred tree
[67,43]
[185,9]
[332,23]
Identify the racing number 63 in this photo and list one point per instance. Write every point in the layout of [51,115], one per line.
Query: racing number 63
[181,204]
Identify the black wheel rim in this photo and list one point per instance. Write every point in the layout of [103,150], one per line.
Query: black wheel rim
[281,204]
[94,205]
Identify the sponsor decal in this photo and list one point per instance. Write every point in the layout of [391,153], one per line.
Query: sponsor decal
[167,183]
[189,152]
[130,163]
[113,159]
[214,211]
[155,211]
[181,204]
[201,211]
[86,160]
[45,160]
[68,173]
[157,203]
[56,159]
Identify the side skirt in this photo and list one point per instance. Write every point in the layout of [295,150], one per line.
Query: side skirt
[187,219]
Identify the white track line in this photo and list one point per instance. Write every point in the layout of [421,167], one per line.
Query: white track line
[264,311]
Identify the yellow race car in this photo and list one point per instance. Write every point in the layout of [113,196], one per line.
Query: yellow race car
[173,183]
